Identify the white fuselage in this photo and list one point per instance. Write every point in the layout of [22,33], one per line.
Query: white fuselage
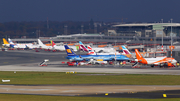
[158,60]
[104,49]
[61,48]
[45,47]
[73,48]
[154,60]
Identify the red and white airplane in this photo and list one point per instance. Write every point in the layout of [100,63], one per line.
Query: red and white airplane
[91,52]
[55,47]
[101,51]
[159,61]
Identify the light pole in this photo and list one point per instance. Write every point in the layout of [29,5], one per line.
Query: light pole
[143,44]
[162,41]
[171,37]
[162,36]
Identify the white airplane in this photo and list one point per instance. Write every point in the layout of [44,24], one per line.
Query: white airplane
[101,52]
[55,47]
[13,45]
[22,45]
[74,48]
[158,61]
[43,46]
[91,52]
[97,49]
[107,49]
[61,48]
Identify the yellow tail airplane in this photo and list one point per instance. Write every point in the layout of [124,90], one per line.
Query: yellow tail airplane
[5,43]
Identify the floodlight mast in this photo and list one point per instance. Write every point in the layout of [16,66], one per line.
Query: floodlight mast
[162,37]
[171,37]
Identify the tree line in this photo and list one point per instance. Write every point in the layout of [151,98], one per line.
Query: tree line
[50,29]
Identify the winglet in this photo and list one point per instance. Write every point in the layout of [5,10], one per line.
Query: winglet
[69,51]
[4,41]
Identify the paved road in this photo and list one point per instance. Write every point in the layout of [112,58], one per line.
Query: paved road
[120,91]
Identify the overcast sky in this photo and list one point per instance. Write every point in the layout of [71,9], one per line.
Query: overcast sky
[84,10]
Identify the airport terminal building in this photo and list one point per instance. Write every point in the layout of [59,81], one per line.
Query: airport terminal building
[145,33]
[147,29]
[148,33]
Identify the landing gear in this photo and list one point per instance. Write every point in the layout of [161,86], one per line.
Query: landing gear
[152,66]
[161,65]
[166,65]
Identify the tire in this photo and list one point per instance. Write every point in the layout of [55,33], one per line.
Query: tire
[152,66]
[161,65]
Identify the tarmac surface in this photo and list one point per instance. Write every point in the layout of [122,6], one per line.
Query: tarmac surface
[28,60]
[120,91]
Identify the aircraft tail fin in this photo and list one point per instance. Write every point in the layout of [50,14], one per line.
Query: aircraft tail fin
[80,43]
[82,46]
[10,41]
[52,43]
[138,55]
[5,41]
[40,42]
[69,51]
[125,50]
[90,50]
[89,47]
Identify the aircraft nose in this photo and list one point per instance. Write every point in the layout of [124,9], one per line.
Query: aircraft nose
[174,61]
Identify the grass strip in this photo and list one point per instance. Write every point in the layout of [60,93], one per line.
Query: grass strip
[16,97]
[82,78]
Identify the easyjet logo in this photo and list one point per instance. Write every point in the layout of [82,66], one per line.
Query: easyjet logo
[68,50]
[138,53]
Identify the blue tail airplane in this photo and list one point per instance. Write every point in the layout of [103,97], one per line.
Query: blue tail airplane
[73,57]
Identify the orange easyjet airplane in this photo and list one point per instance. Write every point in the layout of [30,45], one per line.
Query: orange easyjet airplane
[159,61]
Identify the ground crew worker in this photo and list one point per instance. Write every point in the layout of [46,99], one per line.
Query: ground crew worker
[177,64]
[124,62]
[121,63]
[77,63]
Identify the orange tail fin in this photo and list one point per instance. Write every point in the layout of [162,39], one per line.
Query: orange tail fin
[138,55]
[4,41]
